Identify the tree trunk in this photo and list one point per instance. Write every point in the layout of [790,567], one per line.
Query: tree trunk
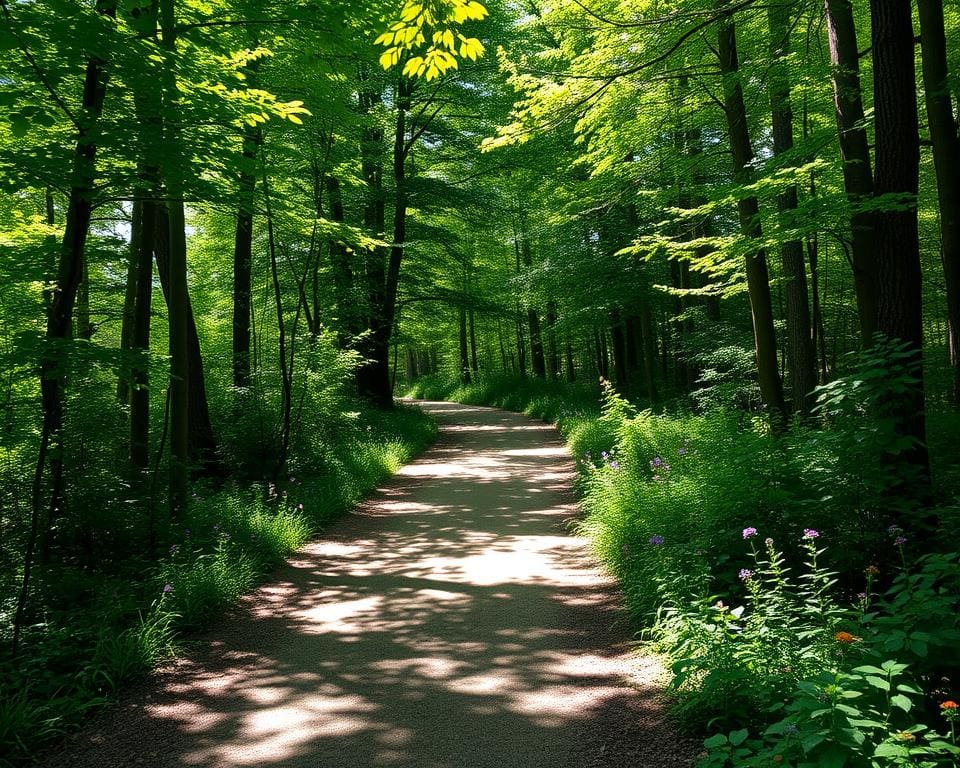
[800,352]
[129,299]
[140,338]
[855,155]
[553,354]
[70,270]
[946,160]
[758,281]
[243,253]
[619,349]
[464,354]
[341,272]
[373,376]
[201,439]
[899,275]
[474,363]
[571,370]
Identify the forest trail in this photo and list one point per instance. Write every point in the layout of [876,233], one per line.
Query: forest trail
[448,622]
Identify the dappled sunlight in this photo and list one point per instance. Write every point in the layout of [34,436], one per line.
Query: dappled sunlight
[449,621]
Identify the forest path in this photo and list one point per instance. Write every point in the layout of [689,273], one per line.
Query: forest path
[448,622]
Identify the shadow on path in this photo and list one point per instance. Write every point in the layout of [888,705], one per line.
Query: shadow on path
[448,622]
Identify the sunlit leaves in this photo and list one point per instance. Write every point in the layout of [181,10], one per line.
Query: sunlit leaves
[436,21]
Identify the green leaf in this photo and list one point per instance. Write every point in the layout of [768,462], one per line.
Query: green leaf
[738,737]
[901,701]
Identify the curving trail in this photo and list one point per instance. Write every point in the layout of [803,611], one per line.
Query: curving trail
[449,622]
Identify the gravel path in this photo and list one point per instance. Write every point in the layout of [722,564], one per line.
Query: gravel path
[449,622]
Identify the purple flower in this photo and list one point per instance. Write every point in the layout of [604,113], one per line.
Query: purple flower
[174,549]
[604,454]
[167,589]
[614,465]
[810,533]
[681,452]
[749,533]
[899,541]
[656,540]
[746,574]
[657,462]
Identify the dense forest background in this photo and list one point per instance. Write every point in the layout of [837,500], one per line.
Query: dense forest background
[231,230]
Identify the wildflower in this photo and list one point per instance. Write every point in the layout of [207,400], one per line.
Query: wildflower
[861,596]
[768,542]
[871,570]
[846,638]
[810,533]
[656,462]
[746,574]
[604,455]
[951,706]
[656,540]
[749,533]
[790,728]
[174,549]
[904,736]
[681,452]
[300,507]
[899,541]
[167,589]
[614,465]
[719,605]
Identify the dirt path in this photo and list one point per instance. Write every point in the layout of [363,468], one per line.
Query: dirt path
[449,622]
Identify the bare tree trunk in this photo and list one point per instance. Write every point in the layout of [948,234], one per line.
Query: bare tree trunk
[800,351]
[758,281]
[243,256]
[946,160]
[899,274]
[855,154]
[70,271]
[464,353]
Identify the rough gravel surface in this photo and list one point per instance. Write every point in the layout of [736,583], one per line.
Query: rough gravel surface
[451,621]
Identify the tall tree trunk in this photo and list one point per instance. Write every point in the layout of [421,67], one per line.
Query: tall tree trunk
[537,358]
[800,352]
[130,298]
[946,160]
[341,271]
[855,155]
[758,281]
[373,374]
[899,274]
[70,270]
[618,338]
[140,337]
[176,291]
[201,438]
[474,363]
[464,354]
[243,251]
[553,353]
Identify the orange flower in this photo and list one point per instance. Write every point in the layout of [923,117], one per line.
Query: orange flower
[948,705]
[845,637]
